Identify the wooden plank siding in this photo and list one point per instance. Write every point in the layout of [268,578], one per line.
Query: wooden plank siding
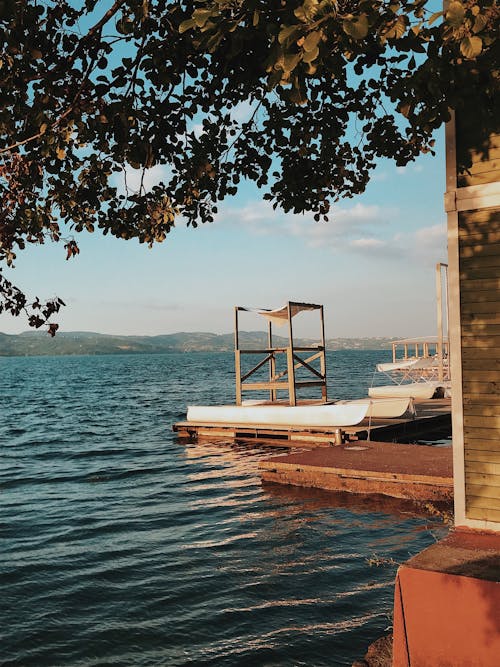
[479,262]
[484,160]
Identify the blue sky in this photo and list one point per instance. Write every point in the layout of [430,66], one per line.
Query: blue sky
[371,265]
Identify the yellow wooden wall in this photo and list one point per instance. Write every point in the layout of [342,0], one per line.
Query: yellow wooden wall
[479,265]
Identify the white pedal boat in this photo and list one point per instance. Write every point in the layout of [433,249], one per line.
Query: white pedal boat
[341,413]
[423,390]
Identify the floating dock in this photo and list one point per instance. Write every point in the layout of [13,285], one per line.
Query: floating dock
[343,446]
[432,420]
[413,472]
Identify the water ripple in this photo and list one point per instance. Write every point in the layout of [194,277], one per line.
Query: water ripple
[121,546]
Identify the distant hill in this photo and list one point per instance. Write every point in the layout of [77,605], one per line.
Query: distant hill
[34,343]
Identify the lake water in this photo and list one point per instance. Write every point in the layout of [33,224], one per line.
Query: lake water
[122,546]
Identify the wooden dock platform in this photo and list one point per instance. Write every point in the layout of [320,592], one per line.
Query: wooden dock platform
[432,420]
[413,472]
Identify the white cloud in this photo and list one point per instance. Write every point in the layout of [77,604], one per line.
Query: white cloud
[242,111]
[424,246]
[379,176]
[197,130]
[342,230]
[430,236]
[430,243]
[359,229]
[131,178]
[411,168]
[368,243]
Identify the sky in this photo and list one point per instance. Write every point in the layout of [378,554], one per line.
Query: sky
[371,266]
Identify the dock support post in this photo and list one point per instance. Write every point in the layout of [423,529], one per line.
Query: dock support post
[290,360]
[272,362]
[237,358]
[324,389]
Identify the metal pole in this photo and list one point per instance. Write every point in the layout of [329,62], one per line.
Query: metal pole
[237,357]
[324,389]
[439,305]
[272,361]
[290,360]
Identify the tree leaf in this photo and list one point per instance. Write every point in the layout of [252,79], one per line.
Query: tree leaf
[357,27]
[311,55]
[398,28]
[405,108]
[455,14]
[312,40]
[290,61]
[186,25]
[274,78]
[471,47]
[201,16]
[287,32]
[434,17]
[479,23]
[307,11]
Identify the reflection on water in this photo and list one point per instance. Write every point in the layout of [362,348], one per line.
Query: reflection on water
[122,546]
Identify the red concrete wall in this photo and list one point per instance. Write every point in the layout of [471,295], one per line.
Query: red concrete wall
[445,620]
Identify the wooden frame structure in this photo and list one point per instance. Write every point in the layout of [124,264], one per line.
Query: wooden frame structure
[276,381]
[418,348]
[472,203]
[424,348]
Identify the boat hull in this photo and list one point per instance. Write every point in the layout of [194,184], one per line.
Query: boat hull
[385,407]
[341,413]
[266,415]
[423,390]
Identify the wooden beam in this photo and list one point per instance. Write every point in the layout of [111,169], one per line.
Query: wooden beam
[304,363]
[254,386]
[266,350]
[473,286]
[478,272]
[482,514]
[487,462]
[237,368]
[272,361]
[489,501]
[481,249]
[324,389]
[289,358]
[256,368]
[439,306]
[483,479]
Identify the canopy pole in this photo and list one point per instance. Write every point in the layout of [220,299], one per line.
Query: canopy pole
[237,357]
[441,269]
[272,361]
[290,362]
[324,390]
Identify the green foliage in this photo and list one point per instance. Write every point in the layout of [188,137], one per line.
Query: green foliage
[36,343]
[89,92]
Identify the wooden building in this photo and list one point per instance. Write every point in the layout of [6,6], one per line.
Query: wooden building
[472,204]
[447,598]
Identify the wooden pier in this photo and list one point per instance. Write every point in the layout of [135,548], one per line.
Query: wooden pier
[432,420]
[369,458]
[413,472]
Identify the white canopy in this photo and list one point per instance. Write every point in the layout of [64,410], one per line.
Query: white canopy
[406,364]
[279,316]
